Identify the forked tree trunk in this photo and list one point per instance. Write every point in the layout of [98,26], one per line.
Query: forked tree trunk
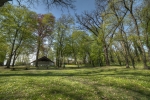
[130,9]
[14,59]
[11,52]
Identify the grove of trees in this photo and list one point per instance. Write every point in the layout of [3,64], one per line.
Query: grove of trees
[115,33]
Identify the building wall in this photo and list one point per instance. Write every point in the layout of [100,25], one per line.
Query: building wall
[44,63]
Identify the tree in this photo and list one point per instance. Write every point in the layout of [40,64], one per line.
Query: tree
[62,30]
[129,6]
[44,29]
[143,16]
[120,14]
[16,26]
[94,22]
[79,46]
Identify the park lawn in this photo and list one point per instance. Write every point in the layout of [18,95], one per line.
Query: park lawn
[99,83]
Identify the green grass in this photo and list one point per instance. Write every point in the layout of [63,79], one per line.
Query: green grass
[105,83]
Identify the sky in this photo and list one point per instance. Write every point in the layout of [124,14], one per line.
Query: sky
[81,6]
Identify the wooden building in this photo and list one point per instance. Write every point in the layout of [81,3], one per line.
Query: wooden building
[43,62]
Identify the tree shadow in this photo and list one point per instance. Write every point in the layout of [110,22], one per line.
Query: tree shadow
[99,72]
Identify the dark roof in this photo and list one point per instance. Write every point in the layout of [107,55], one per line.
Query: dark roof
[44,58]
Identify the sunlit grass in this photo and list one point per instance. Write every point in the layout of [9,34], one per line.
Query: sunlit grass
[99,83]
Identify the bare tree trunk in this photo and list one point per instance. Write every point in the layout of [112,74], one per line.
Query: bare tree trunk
[37,53]
[61,58]
[106,55]
[131,58]
[14,59]
[11,52]
[127,47]
[90,59]
[126,58]
[125,54]
[57,59]
[10,57]
[136,51]
[15,52]
[84,59]
[111,56]
[119,61]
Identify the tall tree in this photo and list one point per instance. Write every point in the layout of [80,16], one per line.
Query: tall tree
[130,6]
[62,31]
[120,14]
[98,22]
[79,45]
[143,13]
[44,29]
[16,25]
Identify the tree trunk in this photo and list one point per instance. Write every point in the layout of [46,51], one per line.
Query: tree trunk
[57,62]
[106,55]
[12,49]
[126,55]
[119,61]
[127,62]
[61,58]
[84,59]
[90,59]
[9,61]
[37,53]
[141,45]
[111,56]
[131,58]
[14,58]
[149,54]
[136,52]
[130,9]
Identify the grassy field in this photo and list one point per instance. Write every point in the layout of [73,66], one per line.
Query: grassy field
[105,83]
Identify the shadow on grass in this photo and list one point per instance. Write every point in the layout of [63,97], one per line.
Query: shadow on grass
[89,71]
[99,72]
[131,87]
